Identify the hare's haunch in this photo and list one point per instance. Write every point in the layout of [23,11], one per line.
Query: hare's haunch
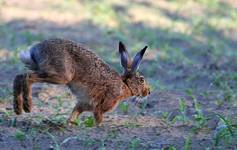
[98,87]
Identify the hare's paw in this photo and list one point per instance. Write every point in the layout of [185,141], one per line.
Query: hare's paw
[27,104]
[98,118]
[71,123]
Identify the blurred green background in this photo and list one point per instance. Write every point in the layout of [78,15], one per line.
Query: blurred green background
[192,44]
[191,62]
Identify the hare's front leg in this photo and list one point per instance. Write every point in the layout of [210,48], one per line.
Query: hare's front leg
[98,117]
[77,110]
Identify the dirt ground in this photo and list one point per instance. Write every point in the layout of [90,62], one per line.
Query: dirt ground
[191,67]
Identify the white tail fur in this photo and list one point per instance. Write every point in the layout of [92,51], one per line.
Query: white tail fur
[25,57]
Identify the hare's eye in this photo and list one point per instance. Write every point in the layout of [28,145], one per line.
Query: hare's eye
[142,79]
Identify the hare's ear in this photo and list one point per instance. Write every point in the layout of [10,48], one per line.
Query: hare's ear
[124,56]
[137,60]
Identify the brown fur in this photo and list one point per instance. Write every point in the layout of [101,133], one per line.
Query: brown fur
[97,87]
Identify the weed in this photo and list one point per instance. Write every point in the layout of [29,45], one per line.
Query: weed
[187,143]
[165,115]
[169,148]
[189,92]
[8,113]
[124,106]
[135,143]
[89,122]
[226,131]
[219,102]
[199,117]
[182,109]
[78,122]
[229,95]
[20,135]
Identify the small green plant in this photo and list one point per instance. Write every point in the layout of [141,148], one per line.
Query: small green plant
[189,92]
[124,107]
[8,113]
[135,143]
[226,131]
[182,116]
[20,135]
[89,122]
[199,117]
[169,148]
[165,115]
[229,94]
[182,109]
[78,122]
[219,102]
[187,143]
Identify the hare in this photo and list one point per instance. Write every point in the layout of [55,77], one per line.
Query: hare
[97,87]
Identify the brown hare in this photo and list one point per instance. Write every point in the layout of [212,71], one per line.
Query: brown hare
[97,87]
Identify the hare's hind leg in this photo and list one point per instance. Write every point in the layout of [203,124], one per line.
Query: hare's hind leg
[23,88]
[27,94]
[18,92]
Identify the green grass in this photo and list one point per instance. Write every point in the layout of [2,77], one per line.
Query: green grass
[226,131]
[124,107]
[20,135]
[135,143]
[89,122]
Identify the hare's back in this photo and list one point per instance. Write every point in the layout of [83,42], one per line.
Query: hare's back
[53,57]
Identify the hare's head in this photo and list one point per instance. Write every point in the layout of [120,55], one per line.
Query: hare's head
[134,81]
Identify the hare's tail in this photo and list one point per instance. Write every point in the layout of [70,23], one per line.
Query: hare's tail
[28,59]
